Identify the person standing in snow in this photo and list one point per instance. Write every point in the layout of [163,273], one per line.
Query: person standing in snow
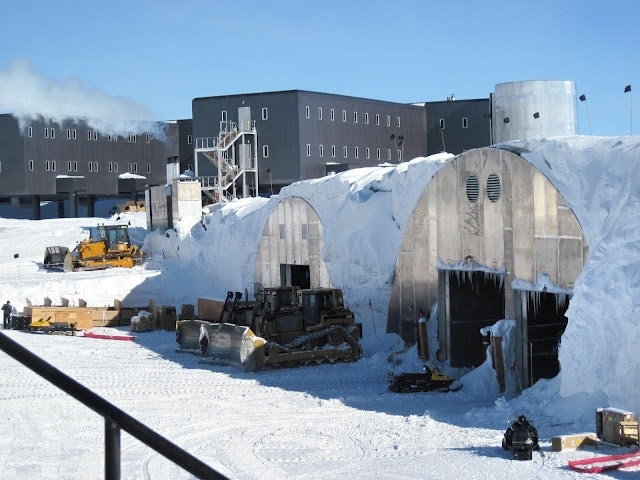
[6,310]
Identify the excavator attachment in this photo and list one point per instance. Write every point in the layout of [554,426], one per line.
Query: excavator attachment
[232,344]
[54,257]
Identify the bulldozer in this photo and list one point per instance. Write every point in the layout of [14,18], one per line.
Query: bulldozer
[286,326]
[111,247]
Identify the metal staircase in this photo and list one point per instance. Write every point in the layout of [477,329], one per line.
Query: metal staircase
[234,154]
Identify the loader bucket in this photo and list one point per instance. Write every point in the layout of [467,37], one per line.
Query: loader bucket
[188,334]
[54,257]
[232,344]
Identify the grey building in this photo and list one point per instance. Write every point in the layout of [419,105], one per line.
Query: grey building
[71,161]
[455,126]
[302,134]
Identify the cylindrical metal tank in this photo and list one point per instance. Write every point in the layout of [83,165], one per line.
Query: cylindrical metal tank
[534,109]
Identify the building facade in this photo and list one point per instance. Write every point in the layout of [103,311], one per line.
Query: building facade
[303,135]
[41,160]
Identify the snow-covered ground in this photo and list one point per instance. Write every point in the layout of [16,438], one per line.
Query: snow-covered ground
[329,421]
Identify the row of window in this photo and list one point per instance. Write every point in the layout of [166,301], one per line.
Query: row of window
[50,166]
[304,232]
[332,116]
[345,152]
[465,123]
[91,135]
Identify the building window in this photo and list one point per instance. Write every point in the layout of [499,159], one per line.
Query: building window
[319,113]
[307,112]
[388,120]
[190,167]
[399,155]
[223,115]
[148,138]
[30,164]
[265,113]
[73,134]
[442,124]
[333,114]
[265,151]
[46,133]
[367,153]
[305,231]
[189,139]
[90,166]
[355,117]
[53,165]
[130,168]
[68,134]
[95,166]
[115,167]
[30,132]
[378,153]
[377,119]
[148,168]
[355,152]
[308,150]
[111,166]
[282,231]
[333,151]
[69,166]
[465,122]
[366,118]
[53,133]
[321,150]
[108,137]
[398,122]
[75,166]
[133,138]
[47,166]
[388,154]
[344,115]
[345,151]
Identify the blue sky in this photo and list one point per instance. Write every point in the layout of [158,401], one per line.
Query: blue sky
[163,53]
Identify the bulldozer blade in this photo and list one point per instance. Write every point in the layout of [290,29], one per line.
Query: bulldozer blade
[188,334]
[232,344]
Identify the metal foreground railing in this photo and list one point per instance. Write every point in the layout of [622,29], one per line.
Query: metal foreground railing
[115,419]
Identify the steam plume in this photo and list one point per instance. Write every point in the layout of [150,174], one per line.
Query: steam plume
[29,96]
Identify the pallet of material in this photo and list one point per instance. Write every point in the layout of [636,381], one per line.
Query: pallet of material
[628,433]
[81,317]
[573,441]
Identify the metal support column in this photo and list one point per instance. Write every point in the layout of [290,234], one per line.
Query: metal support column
[111,450]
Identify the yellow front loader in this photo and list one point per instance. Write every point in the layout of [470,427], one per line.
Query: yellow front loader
[111,247]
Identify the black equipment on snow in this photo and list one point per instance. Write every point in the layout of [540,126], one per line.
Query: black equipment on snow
[430,380]
[521,438]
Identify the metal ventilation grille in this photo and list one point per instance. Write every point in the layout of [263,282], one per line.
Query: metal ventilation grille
[493,187]
[473,188]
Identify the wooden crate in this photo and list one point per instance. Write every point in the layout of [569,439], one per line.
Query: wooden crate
[608,424]
[82,317]
[209,309]
[628,433]
[573,441]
